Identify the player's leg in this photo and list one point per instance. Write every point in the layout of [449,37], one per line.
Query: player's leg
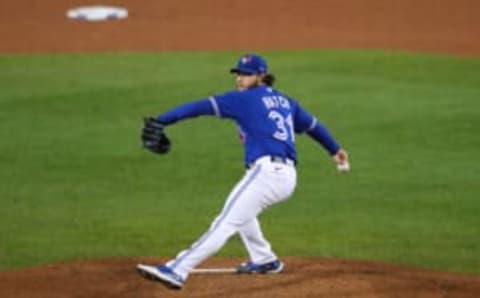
[258,248]
[240,207]
[281,180]
[261,187]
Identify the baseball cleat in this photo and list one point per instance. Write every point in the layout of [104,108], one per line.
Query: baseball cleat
[162,274]
[267,268]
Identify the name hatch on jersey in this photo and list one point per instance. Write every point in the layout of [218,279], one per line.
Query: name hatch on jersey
[275,101]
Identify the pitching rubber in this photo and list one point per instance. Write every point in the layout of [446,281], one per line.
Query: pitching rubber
[214,271]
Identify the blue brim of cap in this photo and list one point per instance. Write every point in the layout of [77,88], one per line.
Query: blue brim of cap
[242,70]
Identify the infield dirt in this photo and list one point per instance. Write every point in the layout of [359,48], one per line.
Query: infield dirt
[419,25]
[303,277]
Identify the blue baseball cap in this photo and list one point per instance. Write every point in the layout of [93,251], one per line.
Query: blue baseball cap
[251,64]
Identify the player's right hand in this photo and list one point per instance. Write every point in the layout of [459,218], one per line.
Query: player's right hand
[341,159]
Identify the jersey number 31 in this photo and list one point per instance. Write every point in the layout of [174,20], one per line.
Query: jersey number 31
[284,126]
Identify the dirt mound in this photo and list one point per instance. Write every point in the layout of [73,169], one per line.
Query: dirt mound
[303,277]
[169,25]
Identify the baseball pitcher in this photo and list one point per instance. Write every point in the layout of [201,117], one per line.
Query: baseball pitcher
[267,121]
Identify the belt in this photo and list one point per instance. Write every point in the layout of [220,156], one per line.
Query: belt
[275,159]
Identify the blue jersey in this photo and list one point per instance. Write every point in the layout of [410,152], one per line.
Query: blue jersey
[267,121]
[265,118]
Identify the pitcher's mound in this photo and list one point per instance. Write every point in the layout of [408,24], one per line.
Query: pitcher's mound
[303,277]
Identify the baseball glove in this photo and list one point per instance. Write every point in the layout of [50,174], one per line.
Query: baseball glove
[154,137]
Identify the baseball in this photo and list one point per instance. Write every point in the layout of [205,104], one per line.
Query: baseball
[343,167]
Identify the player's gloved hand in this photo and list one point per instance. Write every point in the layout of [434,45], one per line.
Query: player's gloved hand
[154,137]
[341,159]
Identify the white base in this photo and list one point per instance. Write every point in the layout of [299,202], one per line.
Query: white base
[97,13]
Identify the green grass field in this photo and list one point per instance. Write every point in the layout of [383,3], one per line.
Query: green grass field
[76,184]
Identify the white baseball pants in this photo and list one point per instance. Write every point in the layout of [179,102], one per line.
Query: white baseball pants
[266,183]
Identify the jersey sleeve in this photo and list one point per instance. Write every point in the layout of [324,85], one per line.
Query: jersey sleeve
[188,110]
[227,105]
[304,122]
